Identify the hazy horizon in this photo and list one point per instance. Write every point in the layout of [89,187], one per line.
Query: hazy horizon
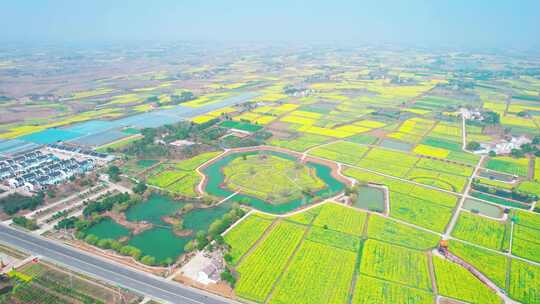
[479,24]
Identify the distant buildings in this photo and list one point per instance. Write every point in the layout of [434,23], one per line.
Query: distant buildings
[503,146]
[36,170]
[472,114]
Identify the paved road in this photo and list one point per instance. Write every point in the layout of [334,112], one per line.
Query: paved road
[111,272]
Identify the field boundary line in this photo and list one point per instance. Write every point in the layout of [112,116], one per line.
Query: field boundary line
[356,272]
[263,237]
[289,261]
[431,269]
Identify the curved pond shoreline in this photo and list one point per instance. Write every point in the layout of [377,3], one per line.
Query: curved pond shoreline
[160,241]
[326,171]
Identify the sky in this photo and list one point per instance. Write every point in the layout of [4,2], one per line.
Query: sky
[464,23]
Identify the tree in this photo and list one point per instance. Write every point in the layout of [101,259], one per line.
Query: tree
[536,140]
[202,240]
[25,222]
[523,114]
[228,277]
[517,153]
[190,246]
[91,239]
[528,148]
[131,251]
[114,173]
[148,260]
[473,146]
[152,99]
[104,243]
[140,188]
[492,118]
[492,153]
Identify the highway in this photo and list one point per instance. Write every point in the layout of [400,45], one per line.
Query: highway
[109,271]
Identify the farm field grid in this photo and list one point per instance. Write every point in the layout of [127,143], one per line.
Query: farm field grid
[290,174]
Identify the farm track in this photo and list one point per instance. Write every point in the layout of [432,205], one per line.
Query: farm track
[289,260]
[262,238]
[432,273]
[532,164]
[455,216]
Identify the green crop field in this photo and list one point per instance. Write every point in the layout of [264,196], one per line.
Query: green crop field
[389,162]
[334,238]
[509,165]
[445,167]
[524,282]
[526,242]
[416,211]
[456,282]
[166,178]
[301,143]
[493,265]
[441,143]
[305,217]
[186,185]
[271,178]
[340,218]
[194,162]
[371,290]
[386,230]
[396,264]
[390,120]
[244,126]
[180,178]
[436,179]
[317,274]
[244,235]
[259,270]
[344,152]
[530,187]
[480,230]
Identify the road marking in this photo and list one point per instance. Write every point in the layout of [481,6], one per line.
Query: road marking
[110,271]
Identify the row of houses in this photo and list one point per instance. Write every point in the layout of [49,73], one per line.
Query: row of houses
[80,151]
[19,165]
[34,171]
[503,146]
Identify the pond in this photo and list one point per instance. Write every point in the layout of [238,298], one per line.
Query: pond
[370,198]
[160,241]
[496,176]
[147,163]
[396,145]
[214,185]
[108,229]
[482,208]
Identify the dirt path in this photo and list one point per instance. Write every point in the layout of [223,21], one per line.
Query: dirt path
[289,260]
[262,238]
[432,273]
[532,164]
[478,274]
[455,216]
[464,134]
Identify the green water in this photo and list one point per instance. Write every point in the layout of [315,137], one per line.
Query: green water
[370,198]
[108,229]
[153,209]
[146,163]
[483,208]
[397,145]
[160,241]
[216,180]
